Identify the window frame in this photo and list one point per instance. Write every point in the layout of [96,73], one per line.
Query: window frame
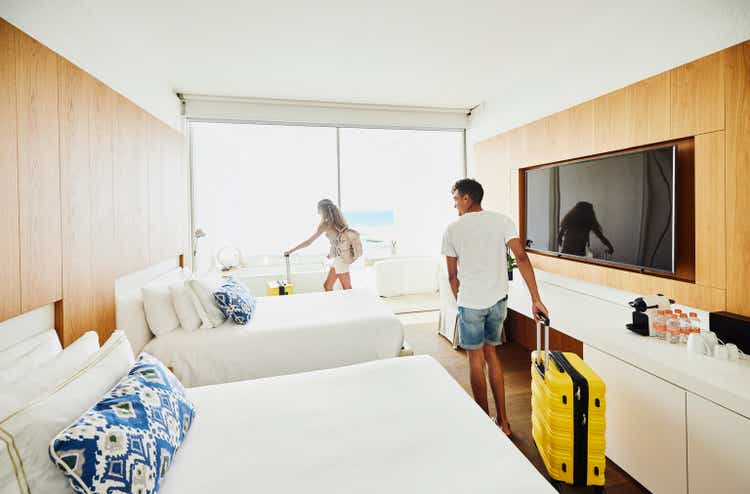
[191,164]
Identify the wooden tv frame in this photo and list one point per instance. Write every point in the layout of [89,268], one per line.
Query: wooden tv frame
[684,210]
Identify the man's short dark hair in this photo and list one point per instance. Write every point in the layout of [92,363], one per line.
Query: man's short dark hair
[470,187]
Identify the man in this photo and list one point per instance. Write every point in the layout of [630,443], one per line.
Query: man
[474,246]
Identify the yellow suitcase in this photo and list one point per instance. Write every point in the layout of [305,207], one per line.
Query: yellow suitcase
[568,414]
[281,287]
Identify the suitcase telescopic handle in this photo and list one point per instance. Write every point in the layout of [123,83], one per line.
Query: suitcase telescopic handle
[288,269]
[543,321]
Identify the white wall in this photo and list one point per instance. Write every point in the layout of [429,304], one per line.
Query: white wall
[616,50]
[97,50]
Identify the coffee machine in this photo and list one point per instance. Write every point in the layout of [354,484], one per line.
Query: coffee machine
[644,313]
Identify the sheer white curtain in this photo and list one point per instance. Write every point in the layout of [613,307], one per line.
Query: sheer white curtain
[257,186]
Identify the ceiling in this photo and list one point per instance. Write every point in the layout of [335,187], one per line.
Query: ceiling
[542,55]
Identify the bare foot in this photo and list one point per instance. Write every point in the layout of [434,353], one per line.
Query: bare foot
[506,428]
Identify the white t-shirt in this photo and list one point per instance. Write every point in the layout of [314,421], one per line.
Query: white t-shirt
[478,240]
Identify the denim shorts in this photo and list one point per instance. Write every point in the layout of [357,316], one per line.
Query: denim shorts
[477,327]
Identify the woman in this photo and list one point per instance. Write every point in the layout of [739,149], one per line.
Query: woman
[575,228]
[332,223]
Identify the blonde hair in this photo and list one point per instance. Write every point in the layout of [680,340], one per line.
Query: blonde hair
[332,216]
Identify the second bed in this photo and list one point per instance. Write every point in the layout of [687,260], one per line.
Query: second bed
[286,335]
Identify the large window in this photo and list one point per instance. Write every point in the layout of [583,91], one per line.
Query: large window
[256,186]
[395,187]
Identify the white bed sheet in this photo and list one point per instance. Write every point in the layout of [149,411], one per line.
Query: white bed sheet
[396,426]
[286,335]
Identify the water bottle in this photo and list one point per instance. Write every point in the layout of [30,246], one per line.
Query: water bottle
[685,326]
[673,329]
[659,324]
[695,323]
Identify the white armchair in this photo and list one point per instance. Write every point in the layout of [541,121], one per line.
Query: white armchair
[406,276]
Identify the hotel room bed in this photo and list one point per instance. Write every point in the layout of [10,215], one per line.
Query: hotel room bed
[398,426]
[286,335]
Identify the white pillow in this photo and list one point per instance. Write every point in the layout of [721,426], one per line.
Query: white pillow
[184,302]
[12,354]
[25,435]
[160,313]
[47,350]
[57,370]
[204,291]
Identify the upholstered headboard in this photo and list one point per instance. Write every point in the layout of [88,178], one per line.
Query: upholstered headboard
[26,325]
[129,313]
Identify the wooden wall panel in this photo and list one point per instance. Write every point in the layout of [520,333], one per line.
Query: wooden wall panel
[738,178]
[611,122]
[10,276]
[701,296]
[168,199]
[710,254]
[581,130]
[158,189]
[688,101]
[131,187]
[38,173]
[105,259]
[632,116]
[697,96]
[77,160]
[648,110]
[76,88]
[178,209]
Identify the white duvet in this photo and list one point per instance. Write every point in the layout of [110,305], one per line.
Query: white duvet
[393,426]
[286,335]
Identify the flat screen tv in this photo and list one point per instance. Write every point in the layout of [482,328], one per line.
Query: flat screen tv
[617,209]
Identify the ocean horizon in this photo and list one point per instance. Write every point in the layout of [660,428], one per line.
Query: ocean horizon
[370,218]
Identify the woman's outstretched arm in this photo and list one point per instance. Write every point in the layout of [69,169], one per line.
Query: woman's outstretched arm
[598,232]
[306,243]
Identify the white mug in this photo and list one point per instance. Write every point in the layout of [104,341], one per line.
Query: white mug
[732,351]
[721,352]
[697,344]
[711,340]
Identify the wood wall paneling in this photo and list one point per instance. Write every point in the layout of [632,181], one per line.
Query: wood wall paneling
[93,187]
[611,122]
[710,254]
[105,259]
[632,116]
[157,151]
[697,96]
[701,296]
[581,130]
[648,110]
[38,173]
[10,275]
[687,101]
[168,199]
[179,213]
[131,187]
[75,99]
[738,179]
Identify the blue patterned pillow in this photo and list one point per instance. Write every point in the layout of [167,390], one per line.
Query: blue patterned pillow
[126,442]
[235,302]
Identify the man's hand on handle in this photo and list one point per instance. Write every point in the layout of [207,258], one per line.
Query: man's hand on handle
[536,307]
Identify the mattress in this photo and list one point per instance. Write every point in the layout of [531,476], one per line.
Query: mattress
[286,335]
[397,426]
